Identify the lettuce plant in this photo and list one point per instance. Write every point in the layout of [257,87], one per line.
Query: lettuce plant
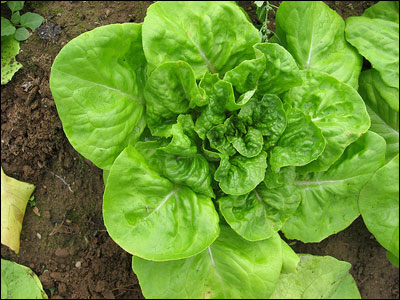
[212,142]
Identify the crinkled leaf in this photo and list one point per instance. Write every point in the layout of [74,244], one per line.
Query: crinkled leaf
[249,144]
[231,268]
[317,277]
[219,94]
[15,195]
[378,41]
[153,218]
[9,65]
[314,34]
[218,140]
[261,213]
[267,115]
[169,91]
[245,76]
[19,282]
[280,72]
[329,201]
[300,143]
[239,175]
[336,108]
[214,36]
[97,82]
[285,176]
[31,20]
[379,206]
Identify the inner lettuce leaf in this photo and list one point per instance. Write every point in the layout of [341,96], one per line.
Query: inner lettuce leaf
[317,277]
[152,217]
[239,175]
[314,34]
[170,90]
[329,200]
[301,143]
[261,213]
[208,35]
[336,108]
[231,268]
[97,83]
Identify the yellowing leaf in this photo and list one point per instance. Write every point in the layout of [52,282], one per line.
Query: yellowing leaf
[15,195]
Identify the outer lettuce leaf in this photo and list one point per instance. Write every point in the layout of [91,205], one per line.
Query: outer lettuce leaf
[170,90]
[378,41]
[301,142]
[231,268]
[391,136]
[379,206]
[317,277]
[385,10]
[394,260]
[280,73]
[330,199]
[19,282]
[149,216]
[314,34]
[97,83]
[383,100]
[214,36]
[290,259]
[239,175]
[336,108]
[261,213]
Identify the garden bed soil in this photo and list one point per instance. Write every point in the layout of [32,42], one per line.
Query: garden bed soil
[65,242]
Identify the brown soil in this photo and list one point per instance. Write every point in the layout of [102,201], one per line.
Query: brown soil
[67,245]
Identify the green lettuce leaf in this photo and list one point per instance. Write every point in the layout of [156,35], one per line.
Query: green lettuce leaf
[329,201]
[280,73]
[231,268]
[97,83]
[314,34]
[336,108]
[301,142]
[385,10]
[151,217]
[261,213]
[317,277]
[379,206]
[378,41]
[213,36]
[267,115]
[238,175]
[170,90]
[19,282]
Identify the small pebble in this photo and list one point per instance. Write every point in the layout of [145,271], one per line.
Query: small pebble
[78,264]
[62,252]
[39,236]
